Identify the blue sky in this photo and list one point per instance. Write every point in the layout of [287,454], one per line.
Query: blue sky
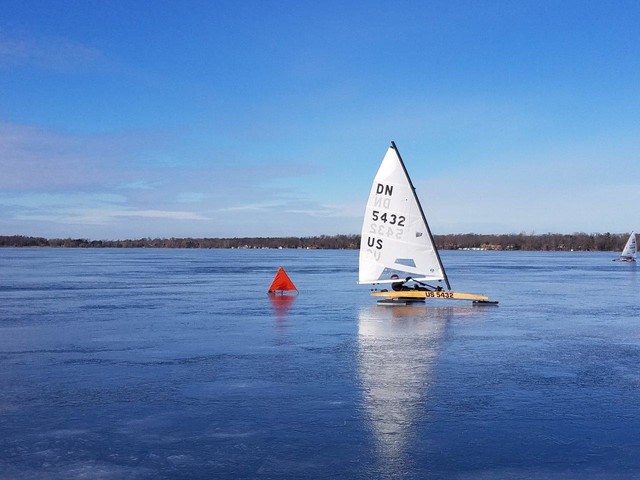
[123,119]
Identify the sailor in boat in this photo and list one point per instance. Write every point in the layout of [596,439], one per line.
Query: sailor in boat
[400,285]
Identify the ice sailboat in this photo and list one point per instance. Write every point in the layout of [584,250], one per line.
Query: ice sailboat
[397,248]
[629,251]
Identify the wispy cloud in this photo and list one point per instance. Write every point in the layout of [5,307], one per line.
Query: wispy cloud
[565,195]
[53,53]
[57,201]
[139,185]
[106,216]
[253,207]
[297,207]
[32,157]
[37,158]
[173,215]
[192,197]
[322,211]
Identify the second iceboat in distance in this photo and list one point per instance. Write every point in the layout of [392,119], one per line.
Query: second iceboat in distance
[629,251]
[396,245]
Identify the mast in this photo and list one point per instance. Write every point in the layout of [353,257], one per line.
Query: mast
[424,219]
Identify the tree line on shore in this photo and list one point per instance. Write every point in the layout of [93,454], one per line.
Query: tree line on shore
[466,241]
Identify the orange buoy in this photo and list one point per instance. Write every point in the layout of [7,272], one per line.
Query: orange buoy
[282,284]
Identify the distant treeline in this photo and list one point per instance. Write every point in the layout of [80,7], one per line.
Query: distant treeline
[341,242]
[522,241]
[604,242]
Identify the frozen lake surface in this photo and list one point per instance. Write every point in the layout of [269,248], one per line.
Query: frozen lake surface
[174,364]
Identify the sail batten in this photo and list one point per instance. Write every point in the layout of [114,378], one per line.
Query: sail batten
[396,238]
[417,279]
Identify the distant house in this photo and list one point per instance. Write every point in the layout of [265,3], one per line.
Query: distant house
[490,246]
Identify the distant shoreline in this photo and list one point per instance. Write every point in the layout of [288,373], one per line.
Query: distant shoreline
[605,242]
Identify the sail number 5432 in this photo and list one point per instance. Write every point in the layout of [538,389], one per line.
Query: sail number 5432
[391,218]
[429,294]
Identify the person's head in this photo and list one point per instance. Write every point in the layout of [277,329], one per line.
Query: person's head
[395,277]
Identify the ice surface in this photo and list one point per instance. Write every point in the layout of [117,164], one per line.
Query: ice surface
[176,364]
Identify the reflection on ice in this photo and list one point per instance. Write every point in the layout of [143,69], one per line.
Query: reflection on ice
[398,349]
[281,305]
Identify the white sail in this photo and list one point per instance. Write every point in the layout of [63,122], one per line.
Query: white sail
[630,248]
[395,235]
